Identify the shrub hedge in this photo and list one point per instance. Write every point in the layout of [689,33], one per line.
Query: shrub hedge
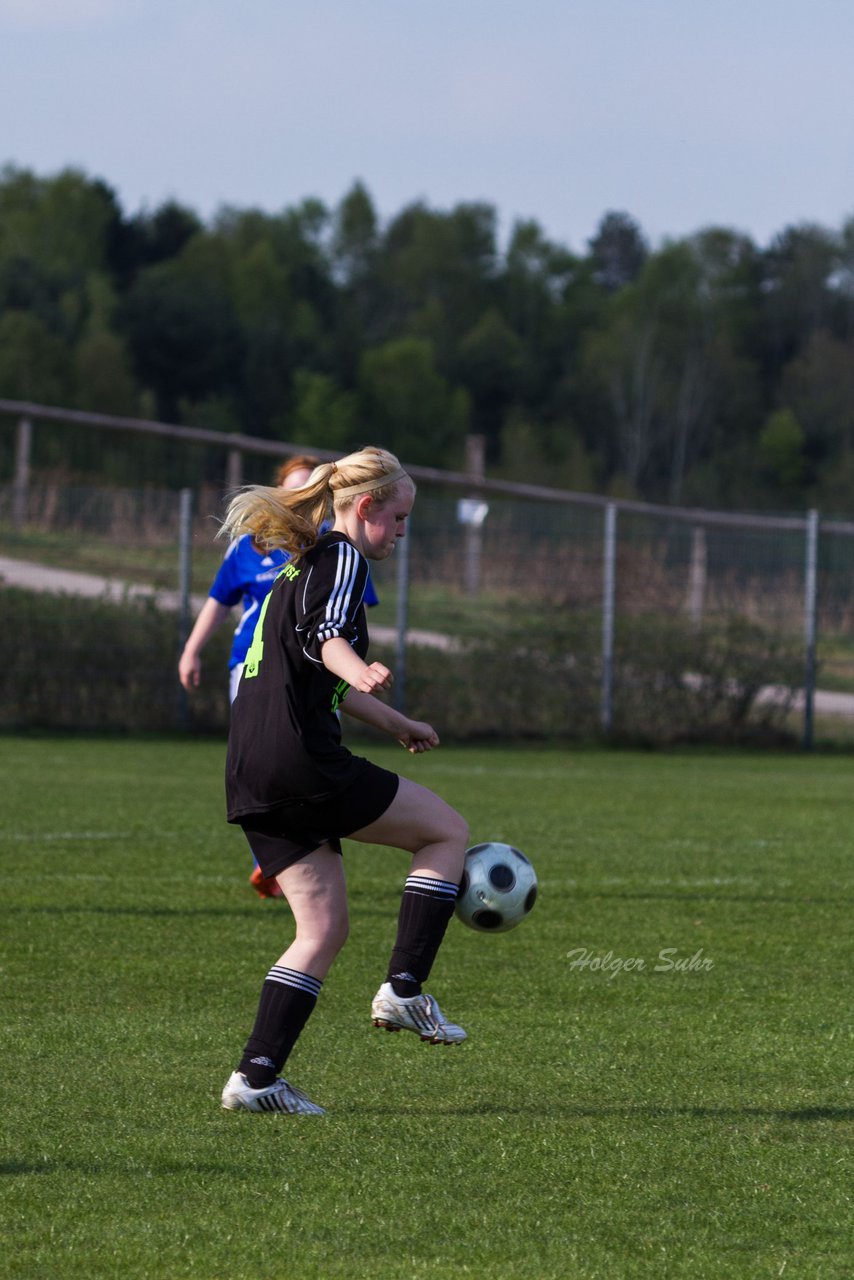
[72,663]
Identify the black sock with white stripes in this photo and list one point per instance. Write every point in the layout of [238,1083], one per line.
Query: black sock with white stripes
[287,1000]
[425,909]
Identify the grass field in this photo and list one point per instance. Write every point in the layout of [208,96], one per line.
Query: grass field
[615,1113]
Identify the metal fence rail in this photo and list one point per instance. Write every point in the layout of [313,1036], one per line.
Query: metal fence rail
[478,544]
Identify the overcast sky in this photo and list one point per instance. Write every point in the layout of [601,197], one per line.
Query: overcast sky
[683,113]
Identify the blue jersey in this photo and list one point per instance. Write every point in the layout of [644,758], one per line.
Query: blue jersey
[246,576]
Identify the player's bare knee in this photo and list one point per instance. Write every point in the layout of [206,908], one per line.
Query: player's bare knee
[338,931]
[324,924]
[325,937]
[451,834]
[459,829]
[448,828]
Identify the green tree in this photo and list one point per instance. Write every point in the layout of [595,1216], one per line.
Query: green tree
[355,238]
[54,247]
[182,329]
[25,286]
[818,387]
[797,286]
[409,407]
[61,223]
[553,455]
[162,235]
[622,361]
[781,449]
[437,272]
[323,416]
[663,361]
[360,309]
[264,304]
[535,275]
[103,376]
[618,251]
[34,363]
[490,364]
[537,279]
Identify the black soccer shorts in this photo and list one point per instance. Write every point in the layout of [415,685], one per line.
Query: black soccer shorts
[282,836]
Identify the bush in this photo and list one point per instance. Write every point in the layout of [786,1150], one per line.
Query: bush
[676,684]
[69,662]
[671,683]
[75,663]
[531,683]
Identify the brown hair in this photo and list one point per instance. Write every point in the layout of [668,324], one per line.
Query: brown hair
[300,462]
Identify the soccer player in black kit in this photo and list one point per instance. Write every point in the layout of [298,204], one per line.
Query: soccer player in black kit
[294,787]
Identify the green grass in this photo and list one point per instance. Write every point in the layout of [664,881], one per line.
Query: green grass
[598,1123]
[433,608]
[836,671]
[436,608]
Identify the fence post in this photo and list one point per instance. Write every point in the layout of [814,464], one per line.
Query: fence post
[234,470]
[402,619]
[185,562]
[609,583]
[475,467]
[697,575]
[810,625]
[21,483]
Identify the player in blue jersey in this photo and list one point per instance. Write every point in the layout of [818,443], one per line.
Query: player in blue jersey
[244,578]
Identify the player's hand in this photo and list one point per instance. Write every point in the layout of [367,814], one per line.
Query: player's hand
[374,677]
[419,737]
[190,671]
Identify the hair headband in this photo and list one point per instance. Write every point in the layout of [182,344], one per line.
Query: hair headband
[369,485]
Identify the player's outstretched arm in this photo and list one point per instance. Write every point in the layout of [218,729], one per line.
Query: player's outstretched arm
[415,735]
[419,736]
[211,617]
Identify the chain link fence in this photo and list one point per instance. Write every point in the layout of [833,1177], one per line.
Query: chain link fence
[509,610]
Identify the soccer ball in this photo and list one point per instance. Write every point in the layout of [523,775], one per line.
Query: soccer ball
[498,888]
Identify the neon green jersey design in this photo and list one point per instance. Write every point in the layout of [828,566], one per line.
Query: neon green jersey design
[255,652]
[339,693]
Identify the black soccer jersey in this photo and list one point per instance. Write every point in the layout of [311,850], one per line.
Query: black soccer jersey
[284,742]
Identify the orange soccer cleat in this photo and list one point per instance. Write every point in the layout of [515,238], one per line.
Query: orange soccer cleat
[265,886]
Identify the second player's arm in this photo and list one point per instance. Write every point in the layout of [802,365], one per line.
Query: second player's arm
[211,617]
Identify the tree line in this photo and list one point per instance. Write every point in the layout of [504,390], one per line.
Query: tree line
[707,370]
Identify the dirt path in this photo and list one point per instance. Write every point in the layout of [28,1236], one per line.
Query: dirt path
[43,577]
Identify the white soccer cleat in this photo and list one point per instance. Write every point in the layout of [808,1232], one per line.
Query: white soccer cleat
[420,1014]
[238,1095]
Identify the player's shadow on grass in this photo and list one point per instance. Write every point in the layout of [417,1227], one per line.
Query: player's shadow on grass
[153,912]
[698,896]
[245,911]
[113,1167]
[252,908]
[646,1112]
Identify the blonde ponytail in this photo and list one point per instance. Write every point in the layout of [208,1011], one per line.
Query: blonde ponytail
[290,519]
[281,519]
